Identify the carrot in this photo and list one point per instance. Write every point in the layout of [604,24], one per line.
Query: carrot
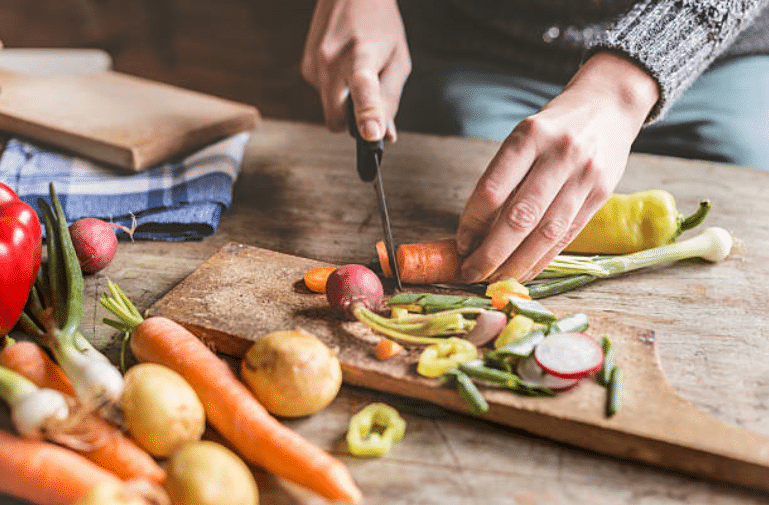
[111,450]
[500,298]
[315,278]
[386,349]
[424,263]
[31,361]
[234,412]
[45,473]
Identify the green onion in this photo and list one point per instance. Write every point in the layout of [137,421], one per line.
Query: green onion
[36,413]
[567,272]
[53,315]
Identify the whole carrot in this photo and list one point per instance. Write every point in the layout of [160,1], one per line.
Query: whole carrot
[110,448]
[230,407]
[424,263]
[45,473]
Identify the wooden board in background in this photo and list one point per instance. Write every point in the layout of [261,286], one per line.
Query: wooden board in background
[243,292]
[116,118]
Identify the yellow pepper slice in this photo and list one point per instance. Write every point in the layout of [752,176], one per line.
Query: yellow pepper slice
[507,286]
[437,359]
[374,429]
[633,222]
[515,329]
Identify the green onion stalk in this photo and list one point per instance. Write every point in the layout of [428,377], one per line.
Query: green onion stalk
[567,272]
[36,413]
[53,314]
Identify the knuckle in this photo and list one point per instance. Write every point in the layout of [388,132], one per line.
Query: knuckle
[523,215]
[491,193]
[554,229]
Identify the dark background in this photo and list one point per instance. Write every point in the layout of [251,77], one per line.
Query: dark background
[245,50]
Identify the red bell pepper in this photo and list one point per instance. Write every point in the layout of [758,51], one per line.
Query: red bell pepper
[20,250]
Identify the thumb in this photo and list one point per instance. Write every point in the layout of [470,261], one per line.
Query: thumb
[369,107]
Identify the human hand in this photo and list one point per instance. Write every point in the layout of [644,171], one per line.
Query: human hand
[358,49]
[554,171]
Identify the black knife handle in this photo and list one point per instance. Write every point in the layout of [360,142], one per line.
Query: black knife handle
[368,153]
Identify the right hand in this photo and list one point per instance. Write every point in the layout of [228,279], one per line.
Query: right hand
[358,49]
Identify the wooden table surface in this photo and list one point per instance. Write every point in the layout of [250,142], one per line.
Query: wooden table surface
[298,193]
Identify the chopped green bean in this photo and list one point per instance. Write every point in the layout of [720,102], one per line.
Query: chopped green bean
[573,322]
[604,374]
[614,396]
[468,391]
[531,309]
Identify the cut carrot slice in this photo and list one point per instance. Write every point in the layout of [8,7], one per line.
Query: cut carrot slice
[315,278]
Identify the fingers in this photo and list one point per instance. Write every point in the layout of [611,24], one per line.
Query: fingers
[506,170]
[528,221]
[344,58]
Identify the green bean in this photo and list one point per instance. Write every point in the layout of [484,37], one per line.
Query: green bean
[531,309]
[573,322]
[468,391]
[604,374]
[614,397]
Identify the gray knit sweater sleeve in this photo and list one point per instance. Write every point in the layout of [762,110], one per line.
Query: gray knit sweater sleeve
[675,40]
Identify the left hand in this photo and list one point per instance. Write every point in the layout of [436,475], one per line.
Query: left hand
[554,171]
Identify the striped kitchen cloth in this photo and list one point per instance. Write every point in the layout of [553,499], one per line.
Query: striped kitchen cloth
[178,200]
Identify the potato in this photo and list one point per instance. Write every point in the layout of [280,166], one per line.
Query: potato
[207,473]
[161,409]
[292,373]
[121,494]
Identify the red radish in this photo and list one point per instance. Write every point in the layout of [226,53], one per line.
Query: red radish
[95,243]
[530,371]
[569,355]
[350,285]
[488,325]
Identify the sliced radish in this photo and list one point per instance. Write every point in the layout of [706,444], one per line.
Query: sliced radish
[529,371]
[569,355]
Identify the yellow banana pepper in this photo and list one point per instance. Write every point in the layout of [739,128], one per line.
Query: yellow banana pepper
[374,429]
[437,359]
[633,222]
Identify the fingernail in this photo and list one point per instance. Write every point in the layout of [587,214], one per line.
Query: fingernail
[463,244]
[371,130]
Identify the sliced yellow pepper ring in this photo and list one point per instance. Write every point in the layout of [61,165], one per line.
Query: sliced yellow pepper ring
[374,429]
[437,359]
[507,286]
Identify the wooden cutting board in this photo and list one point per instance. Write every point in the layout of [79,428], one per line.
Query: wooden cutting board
[243,292]
[115,118]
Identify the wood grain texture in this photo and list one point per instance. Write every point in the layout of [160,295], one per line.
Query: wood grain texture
[298,194]
[116,118]
[243,292]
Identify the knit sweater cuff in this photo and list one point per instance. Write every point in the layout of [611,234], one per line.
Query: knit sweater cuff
[674,41]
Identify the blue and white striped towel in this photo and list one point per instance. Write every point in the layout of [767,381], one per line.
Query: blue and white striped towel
[177,200]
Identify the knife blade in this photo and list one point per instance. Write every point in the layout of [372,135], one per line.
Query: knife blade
[368,155]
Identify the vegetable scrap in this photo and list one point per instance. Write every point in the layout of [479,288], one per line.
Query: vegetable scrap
[316,278]
[374,430]
[437,359]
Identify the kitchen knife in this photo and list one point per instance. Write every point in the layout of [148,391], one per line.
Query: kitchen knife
[368,155]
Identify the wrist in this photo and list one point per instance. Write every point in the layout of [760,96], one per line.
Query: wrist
[614,75]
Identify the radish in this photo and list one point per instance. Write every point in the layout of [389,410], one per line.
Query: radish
[529,371]
[95,243]
[488,325]
[569,355]
[353,285]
